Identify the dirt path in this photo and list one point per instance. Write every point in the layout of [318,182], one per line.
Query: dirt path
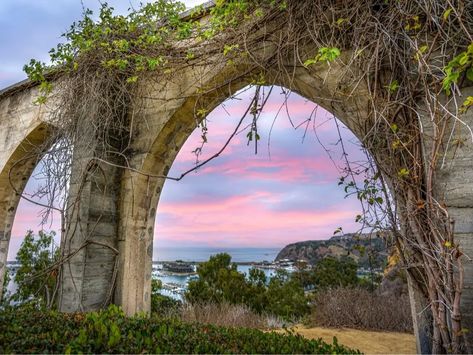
[366,341]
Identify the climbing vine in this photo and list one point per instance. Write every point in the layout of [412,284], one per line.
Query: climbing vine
[411,60]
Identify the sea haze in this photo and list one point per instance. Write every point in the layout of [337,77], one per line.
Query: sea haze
[203,254]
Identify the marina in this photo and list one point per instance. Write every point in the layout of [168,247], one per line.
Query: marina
[176,275]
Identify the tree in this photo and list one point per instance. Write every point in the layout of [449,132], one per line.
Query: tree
[257,295]
[219,281]
[35,278]
[332,272]
[286,297]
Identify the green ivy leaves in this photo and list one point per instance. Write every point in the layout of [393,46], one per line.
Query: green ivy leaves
[325,54]
[462,63]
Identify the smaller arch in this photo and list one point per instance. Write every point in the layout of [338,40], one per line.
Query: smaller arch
[13,178]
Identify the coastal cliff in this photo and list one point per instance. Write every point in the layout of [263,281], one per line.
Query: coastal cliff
[357,246]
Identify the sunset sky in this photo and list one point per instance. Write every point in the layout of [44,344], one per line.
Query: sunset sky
[238,200]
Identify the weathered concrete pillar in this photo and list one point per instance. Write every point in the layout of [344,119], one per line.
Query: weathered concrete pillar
[138,207]
[161,131]
[90,242]
[454,191]
[421,318]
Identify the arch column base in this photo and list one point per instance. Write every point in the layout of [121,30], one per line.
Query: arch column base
[133,291]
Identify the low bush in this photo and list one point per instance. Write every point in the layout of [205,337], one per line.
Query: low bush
[226,314]
[26,330]
[361,309]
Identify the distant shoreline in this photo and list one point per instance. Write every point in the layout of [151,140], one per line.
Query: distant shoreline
[243,263]
[246,263]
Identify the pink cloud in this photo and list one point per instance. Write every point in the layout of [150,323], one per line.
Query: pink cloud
[247,220]
[299,169]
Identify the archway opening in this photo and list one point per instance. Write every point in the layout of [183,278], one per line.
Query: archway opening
[289,207]
[37,225]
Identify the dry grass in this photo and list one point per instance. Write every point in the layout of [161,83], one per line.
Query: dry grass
[226,314]
[360,309]
[229,315]
[368,342]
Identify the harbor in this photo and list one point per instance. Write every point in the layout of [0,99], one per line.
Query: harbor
[176,275]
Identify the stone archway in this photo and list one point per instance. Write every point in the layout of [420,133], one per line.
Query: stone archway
[117,206]
[171,127]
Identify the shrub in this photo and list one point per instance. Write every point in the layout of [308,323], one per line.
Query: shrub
[226,314]
[361,309]
[26,330]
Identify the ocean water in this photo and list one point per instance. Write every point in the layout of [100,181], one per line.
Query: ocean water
[203,254]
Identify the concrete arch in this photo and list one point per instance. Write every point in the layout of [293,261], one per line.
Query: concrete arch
[170,126]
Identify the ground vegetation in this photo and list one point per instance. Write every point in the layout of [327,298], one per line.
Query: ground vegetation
[27,330]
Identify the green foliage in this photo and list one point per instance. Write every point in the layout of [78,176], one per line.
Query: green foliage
[325,54]
[332,272]
[140,42]
[447,13]
[227,13]
[129,45]
[219,281]
[460,64]
[286,296]
[329,272]
[161,304]
[413,24]
[25,330]
[466,104]
[393,86]
[403,173]
[371,192]
[34,278]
